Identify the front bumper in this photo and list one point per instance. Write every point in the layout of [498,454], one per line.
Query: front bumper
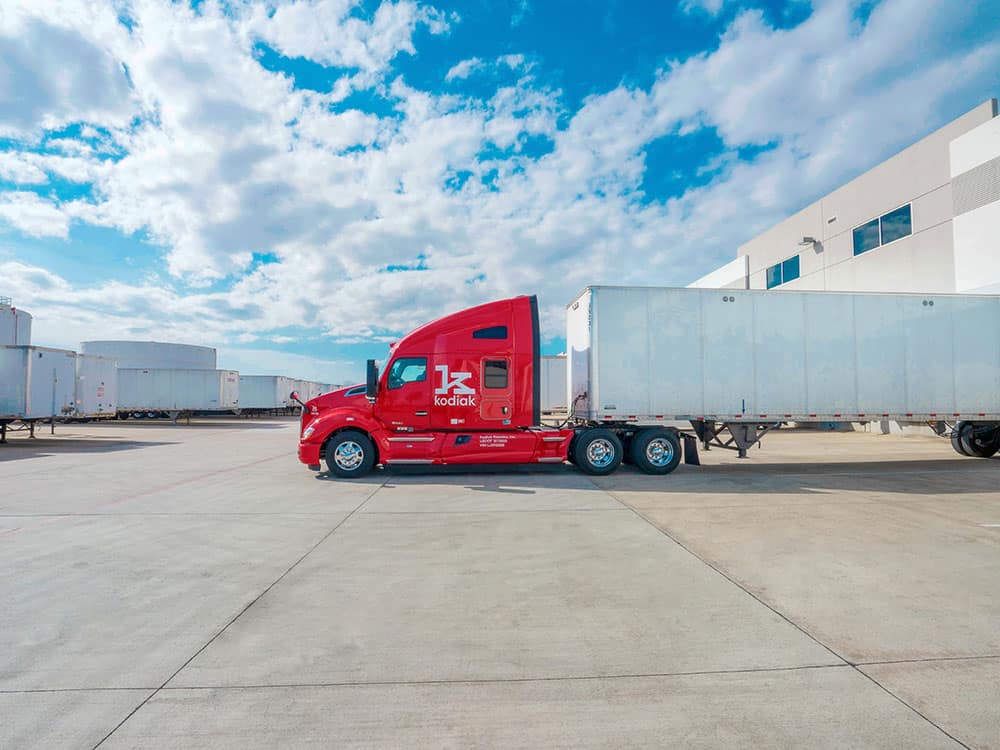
[309,454]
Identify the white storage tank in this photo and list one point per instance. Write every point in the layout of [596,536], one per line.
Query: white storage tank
[153,355]
[15,325]
[96,386]
[265,391]
[142,389]
[36,382]
[553,383]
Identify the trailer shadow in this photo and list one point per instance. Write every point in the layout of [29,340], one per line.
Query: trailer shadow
[20,448]
[911,477]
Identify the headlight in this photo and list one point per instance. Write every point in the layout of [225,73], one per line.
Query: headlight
[307,432]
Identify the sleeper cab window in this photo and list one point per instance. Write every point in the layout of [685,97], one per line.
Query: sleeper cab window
[495,374]
[407,370]
[493,332]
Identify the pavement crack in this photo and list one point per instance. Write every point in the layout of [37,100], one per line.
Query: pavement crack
[243,611]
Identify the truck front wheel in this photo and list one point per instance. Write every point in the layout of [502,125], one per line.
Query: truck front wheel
[656,451]
[597,451]
[350,454]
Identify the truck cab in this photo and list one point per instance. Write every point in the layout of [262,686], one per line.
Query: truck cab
[463,389]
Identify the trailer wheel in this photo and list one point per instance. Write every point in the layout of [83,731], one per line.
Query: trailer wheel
[597,451]
[956,438]
[656,450]
[981,443]
[350,454]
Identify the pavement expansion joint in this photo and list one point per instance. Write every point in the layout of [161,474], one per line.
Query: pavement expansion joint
[784,617]
[508,680]
[243,611]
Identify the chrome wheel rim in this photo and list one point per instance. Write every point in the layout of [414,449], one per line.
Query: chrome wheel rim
[601,453]
[348,455]
[659,452]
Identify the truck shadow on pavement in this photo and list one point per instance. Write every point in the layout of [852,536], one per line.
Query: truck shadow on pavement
[18,448]
[910,477]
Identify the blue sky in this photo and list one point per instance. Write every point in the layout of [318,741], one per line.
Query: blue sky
[298,183]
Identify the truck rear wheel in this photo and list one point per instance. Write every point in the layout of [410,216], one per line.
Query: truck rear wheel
[597,451]
[656,450]
[979,441]
[956,438]
[350,454]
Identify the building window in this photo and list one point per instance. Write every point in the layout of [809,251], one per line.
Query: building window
[896,224]
[407,370]
[782,273]
[866,237]
[790,269]
[881,231]
[495,374]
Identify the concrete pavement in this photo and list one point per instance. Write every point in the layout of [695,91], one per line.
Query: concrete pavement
[195,586]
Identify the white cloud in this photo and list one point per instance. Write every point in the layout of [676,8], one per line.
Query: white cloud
[20,169]
[60,63]
[473,65]
[327,32]
[228,159]
[712,7]
[270,362]
[33,215]
[464,69]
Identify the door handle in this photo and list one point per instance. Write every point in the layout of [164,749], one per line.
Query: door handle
[504,411]
[421,413]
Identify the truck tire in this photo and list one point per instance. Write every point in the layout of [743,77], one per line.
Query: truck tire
[656,450]
[597,451]
[981,443]
[350,454]
[956,438]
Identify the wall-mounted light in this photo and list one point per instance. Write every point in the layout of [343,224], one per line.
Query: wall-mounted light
[817,246]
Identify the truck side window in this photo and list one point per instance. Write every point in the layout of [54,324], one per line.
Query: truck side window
[495,373]
[493,332]
[407,370]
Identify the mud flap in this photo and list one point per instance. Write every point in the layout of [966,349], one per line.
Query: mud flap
[691,450]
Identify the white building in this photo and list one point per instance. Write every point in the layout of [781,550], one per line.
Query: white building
[925,220]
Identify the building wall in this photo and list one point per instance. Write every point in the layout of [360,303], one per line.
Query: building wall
[924,261]
[975,171]
[733,275]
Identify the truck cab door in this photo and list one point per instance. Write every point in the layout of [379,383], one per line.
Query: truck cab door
[404,399]
[497,401]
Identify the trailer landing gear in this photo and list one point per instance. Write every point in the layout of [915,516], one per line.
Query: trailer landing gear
[743,435]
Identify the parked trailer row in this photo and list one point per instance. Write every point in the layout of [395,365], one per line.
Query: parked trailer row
[733,364]
[177,391]
[40,383]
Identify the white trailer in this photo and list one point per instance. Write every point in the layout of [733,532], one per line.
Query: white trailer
[265,392]
[96,386]
[552,386]
[177,391]
[15,325]
[35,383]
[748,361]
[153,355]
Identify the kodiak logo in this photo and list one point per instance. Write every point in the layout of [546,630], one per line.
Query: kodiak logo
[454,391]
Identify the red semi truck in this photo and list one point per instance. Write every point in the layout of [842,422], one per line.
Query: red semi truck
[465,389]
